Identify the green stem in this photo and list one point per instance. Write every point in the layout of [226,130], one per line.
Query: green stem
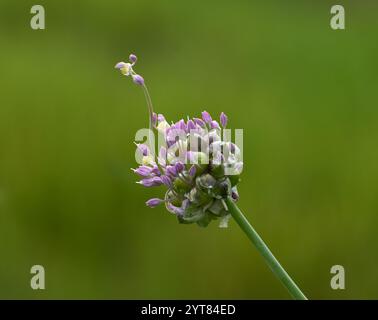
[149,105]
[151,137]
[272,262]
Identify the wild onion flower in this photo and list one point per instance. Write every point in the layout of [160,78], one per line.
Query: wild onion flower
[196,181]
[199,170]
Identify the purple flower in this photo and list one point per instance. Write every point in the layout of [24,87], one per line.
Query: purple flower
[181,125]
[214,125]
[191,125]
[155,170]
[151,182]
[143,171]
[138,79]
[166,180]
[179,167]
[199,122]
[160,117]
[171,170]
[206,117]
[133,58]
[125,68]
[120,65]
[152,203]
[223,120]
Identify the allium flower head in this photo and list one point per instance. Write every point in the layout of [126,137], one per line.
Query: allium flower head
[197,169]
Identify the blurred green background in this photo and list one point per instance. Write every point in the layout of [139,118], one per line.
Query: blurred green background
[305,95]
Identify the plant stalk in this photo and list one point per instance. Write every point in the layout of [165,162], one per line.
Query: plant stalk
[272,262]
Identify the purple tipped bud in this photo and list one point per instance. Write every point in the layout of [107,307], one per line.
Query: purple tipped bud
[191,125]
[152,203]
[138,79]
[199,122]
[172,127]
[223,120]
[167,181]
[160,117]
[171,170]
[120,65]
[133,58]
[143,171]
[151,182]
[192,171]
[179,167]
[143,149]
[214,125]
[206,117]
[181,125]
[155,170]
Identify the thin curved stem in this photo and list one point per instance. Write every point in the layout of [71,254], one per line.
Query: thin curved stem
[151,137]
[272,262]
[149,104]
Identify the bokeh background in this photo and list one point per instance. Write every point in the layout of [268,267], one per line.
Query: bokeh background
[305,95]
